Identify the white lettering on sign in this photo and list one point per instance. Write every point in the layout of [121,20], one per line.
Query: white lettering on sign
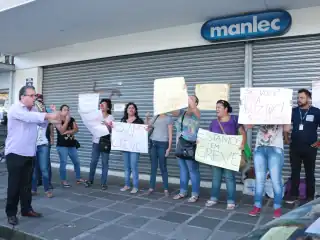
[265,106]
[246,27]
[219,149]
[129,137]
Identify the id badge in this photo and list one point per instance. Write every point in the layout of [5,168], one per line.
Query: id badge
[301,127]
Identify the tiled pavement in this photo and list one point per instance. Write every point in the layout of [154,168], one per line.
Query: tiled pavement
[89,213]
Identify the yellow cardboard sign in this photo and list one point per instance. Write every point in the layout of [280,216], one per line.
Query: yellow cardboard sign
[209,94]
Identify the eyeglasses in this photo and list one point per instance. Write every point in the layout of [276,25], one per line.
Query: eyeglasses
[31,95]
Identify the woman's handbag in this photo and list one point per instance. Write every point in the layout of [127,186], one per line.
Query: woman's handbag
[185,149]
[105,144]
[150,133]
[243,161]
[77,144]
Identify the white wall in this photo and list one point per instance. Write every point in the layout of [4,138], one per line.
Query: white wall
[20,77]
[304,21]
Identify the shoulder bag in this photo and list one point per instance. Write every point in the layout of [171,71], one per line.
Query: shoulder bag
[243,161]
[105,144]
[185,149]
[151,131]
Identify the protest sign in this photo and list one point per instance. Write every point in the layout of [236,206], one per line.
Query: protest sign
[209,94]
[219,150]
[129,137]
[94,122]
[88,102]
[316,93]
[265,106]
[170,94]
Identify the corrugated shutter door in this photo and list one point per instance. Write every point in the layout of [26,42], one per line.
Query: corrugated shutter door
[291,63]
[133,76]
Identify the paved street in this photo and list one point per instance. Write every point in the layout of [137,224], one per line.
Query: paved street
[89,213]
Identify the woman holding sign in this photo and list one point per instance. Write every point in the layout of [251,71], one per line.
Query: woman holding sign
[268,155]
[225,124]
[187,126]
[131,158]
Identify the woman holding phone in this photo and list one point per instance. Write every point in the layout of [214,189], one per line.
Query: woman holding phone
[67,145]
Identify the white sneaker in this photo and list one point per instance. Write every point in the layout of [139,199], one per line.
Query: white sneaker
[134,191]
[125,188]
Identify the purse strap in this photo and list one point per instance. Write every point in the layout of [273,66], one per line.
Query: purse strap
[152,124]
[181,125]
[221,127]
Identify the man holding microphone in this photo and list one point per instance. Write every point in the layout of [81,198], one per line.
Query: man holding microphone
[20,151]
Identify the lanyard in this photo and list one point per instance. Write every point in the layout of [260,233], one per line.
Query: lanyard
[302,118]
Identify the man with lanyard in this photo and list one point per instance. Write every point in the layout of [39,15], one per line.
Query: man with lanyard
[305,122]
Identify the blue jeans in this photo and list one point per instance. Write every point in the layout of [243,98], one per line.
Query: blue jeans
[230,180]
[271,158]
[189,168]
[96,153]
[72,152]
[42,162]
[158,157]
[49,163]
[130,160]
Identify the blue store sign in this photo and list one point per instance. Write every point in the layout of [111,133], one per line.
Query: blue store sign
[248,26]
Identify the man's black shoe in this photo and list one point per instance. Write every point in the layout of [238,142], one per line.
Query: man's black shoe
[13,220]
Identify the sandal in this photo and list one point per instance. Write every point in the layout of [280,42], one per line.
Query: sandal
[210,203]
[231,206]
[65,184]
[79,181]
[49,194]
[193,199]
[179,196]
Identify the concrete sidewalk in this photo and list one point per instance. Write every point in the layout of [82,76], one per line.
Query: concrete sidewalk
[90,213]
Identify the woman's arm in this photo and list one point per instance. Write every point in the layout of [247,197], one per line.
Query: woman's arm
[286,130]
[244,136]
[170,131]
[194,108]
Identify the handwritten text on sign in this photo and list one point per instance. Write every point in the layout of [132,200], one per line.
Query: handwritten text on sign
[219,149]
[129,137]
[265,106]
[170,94]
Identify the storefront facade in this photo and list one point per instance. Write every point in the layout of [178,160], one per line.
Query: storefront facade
[131,63]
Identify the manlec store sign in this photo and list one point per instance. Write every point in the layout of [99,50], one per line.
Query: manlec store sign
[247,26]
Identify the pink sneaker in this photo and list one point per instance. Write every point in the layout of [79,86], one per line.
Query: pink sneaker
[255,212]
[277,213]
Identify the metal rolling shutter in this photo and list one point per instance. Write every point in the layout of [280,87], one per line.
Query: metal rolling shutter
[134,75]
[291,63]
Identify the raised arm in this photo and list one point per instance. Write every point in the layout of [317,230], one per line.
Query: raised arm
[31,117]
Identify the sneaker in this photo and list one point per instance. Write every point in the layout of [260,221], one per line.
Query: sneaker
[255,212]
[290,199]
[104,187]
[210,203]
[134,190]
[125,188]
[193,199]
[277,213]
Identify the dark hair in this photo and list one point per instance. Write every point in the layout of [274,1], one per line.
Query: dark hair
[125,114]
[305,91]
[225,104]
[64,105]
[108,102]
[197,99]
[23,91]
